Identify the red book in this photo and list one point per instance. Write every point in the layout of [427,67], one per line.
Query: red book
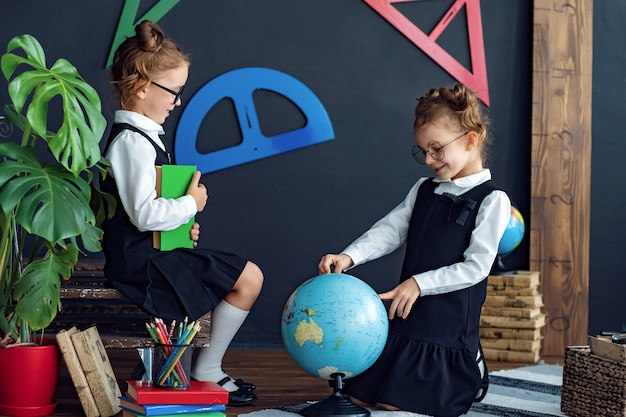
[199,392]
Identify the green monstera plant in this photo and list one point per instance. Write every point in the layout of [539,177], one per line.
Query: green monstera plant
[50,209]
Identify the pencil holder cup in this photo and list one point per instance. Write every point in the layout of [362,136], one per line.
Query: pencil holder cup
[172,366]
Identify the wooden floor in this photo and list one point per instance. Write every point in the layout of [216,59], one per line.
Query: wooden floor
[278,379]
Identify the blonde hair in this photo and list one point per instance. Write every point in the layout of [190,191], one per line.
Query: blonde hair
[143,57]
[459,104]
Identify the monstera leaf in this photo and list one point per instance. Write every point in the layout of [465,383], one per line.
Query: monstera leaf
[36,294]
[48,200]
[76,143]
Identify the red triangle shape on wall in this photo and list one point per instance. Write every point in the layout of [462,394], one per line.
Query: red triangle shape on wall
[475,79]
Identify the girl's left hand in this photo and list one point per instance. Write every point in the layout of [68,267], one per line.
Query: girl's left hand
[194,233]
[402,298]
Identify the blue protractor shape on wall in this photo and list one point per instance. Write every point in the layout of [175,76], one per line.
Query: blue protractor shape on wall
[239,85]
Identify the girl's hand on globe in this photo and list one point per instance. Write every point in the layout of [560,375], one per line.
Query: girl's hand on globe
[402,298]
[334,263]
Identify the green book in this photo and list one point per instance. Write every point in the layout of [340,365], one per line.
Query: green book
[172,182]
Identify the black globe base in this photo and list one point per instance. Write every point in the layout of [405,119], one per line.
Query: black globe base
[500,269]
[335,405]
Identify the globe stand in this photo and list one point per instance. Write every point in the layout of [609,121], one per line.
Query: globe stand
[335,405]
[500,269]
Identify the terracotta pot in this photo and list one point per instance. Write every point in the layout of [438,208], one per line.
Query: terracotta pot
[29,376]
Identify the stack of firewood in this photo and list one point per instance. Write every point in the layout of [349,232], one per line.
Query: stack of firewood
[512,318]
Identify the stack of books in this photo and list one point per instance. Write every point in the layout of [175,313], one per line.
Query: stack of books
[201,399]
[512,318]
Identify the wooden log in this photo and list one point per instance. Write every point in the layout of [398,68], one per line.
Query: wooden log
[525,313]
[513,322]
[504,333]
[510,356]
[86,291]
[522,279]
[512,344]
[523,301]
[511,292]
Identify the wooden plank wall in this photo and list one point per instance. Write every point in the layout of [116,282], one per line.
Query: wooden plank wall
[561,167]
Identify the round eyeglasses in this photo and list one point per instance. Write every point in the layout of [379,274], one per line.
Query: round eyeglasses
[435,150]
[176,94]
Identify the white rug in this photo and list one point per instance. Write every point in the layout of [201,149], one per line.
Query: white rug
[531,391]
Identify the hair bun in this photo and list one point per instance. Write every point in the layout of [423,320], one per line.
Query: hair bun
[149,36]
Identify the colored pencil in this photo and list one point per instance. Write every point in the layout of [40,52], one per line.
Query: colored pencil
[156,333]
[174,358]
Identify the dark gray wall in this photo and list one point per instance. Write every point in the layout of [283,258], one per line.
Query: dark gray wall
[286,211]
[608,181]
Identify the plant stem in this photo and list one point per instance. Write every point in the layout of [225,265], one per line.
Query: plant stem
[25,135]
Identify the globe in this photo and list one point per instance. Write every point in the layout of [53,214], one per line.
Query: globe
[334,324]
[512,237]
[513,233]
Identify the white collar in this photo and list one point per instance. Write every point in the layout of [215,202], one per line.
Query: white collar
[138,120]
[469,180]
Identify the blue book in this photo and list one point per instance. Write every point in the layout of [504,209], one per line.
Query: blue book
[212,410]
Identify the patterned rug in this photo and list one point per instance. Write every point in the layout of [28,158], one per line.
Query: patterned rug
[529,391]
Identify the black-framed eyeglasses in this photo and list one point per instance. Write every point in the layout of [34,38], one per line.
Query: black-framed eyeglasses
[174,93]
[435,150]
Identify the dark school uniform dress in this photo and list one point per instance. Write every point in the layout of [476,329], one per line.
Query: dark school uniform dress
[429,364]
[170,285]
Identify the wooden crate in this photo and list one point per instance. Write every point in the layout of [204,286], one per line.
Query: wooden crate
[88,299]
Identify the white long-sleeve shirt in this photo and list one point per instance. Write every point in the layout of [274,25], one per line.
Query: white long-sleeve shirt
[390,232]
[132,160]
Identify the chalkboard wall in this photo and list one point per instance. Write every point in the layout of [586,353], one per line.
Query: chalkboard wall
[287,210]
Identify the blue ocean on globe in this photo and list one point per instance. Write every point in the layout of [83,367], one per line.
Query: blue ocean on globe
[334,323]
[513,234]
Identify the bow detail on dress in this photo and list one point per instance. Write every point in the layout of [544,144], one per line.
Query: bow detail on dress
[467,204]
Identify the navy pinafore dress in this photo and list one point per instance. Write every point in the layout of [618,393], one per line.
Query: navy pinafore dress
[170,285]
[429,364]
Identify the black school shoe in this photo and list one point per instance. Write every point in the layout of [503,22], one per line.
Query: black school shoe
[245,395]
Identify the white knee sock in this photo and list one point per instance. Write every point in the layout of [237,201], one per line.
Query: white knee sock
[225,322]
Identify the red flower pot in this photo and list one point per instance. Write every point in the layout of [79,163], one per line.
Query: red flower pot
[29,378]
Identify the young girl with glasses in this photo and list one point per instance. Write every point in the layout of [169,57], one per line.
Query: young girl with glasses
[149,72]
[451,225]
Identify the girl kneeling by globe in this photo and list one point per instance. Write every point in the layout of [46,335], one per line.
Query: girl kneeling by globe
[451,224]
